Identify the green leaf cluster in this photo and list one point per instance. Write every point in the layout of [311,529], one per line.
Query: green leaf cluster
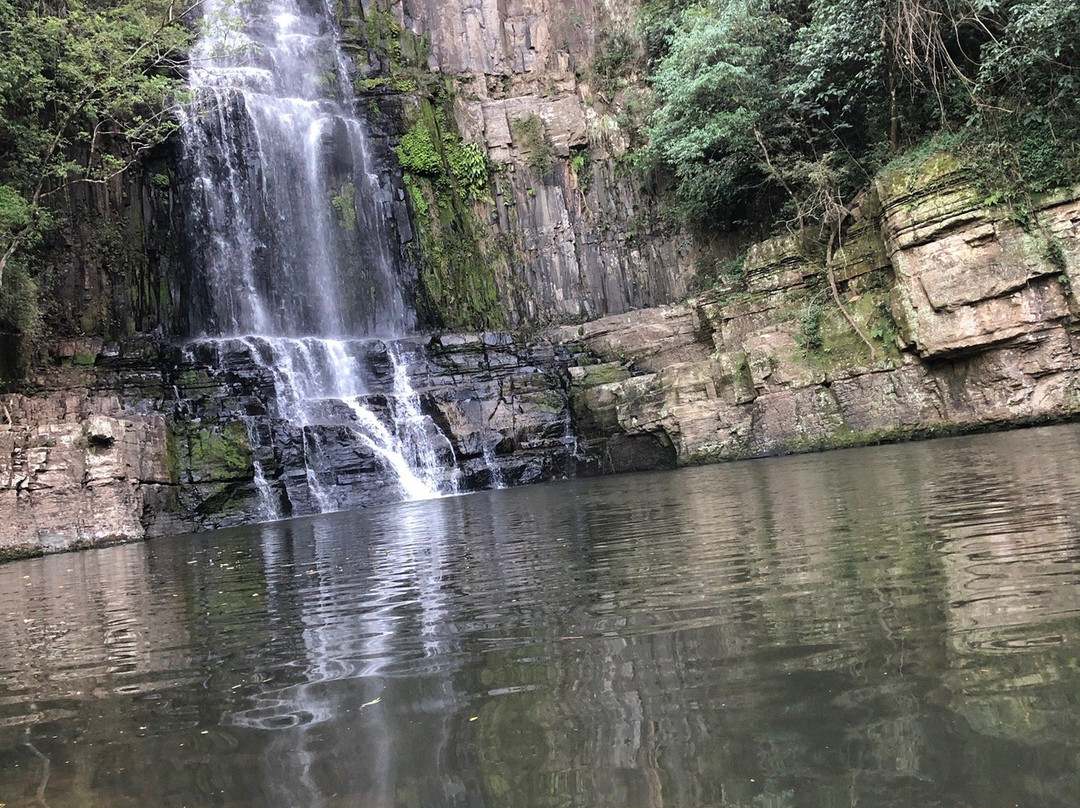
[433,149]
[530,137]
[86,88]
[344,203]
[419,151]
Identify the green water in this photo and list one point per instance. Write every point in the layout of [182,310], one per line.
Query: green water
[897,626]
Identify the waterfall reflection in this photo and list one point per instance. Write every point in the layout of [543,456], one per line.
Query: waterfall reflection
[887,627]
[370,612]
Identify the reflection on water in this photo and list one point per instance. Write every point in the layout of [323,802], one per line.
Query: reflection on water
[896,626]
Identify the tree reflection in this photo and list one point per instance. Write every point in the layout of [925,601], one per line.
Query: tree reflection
[887,627]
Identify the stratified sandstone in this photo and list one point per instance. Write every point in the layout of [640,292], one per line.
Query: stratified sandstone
[75,471]
[969,315]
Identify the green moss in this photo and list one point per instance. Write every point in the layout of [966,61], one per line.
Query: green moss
[581,165]
[551,402]
[922,167]
[401,55]
[195,379]
[842,348]
[605,373]
[417,201]
[457,256]
[457,279]
[743,379]
[384,33]
[808,333]
[209,452]
[19,553]
[370,84]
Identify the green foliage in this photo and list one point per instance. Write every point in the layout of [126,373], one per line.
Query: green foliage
[417,202]
[615,59]
[397,54]
[419,151]
[344,202]
[1033,53]
[469,168]
[580,164]
[384,33]
[1019,154]
[779,108]
[883,327]
[714,272]
[84,75]
[22,322]
[718,97]
[15,212]
[837,79]
[86,88]
[1055,254]
[432,149]
[532,140]
[658,23]
[457,286]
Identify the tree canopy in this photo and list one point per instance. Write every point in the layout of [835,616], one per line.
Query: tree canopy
[773,109]
[85,88]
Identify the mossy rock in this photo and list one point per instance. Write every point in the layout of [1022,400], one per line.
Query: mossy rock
[595,375]
[939,168]
[457,287]
[789,248]
[843,349]
[210,452]
[19,553]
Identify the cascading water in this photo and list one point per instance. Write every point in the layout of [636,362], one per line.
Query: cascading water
[294,249]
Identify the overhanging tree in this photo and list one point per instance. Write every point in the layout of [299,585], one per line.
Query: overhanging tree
[86,87]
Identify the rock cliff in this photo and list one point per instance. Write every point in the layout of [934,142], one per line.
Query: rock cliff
[968,318]
[929,311]
[586,241]
[952,316]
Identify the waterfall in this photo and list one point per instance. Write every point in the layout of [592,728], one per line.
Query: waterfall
[294,250]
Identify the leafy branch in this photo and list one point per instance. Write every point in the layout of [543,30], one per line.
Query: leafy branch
[80,78]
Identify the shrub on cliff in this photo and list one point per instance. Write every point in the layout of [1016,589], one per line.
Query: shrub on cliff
[85,89]
[764,106]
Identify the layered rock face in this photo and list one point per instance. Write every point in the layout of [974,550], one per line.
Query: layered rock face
[964,318]
[77,466]
[954,317]
[587,241]
[967,321]
[124,442]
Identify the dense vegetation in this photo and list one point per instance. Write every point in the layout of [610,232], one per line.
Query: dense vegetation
[85,89]
[781,110]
